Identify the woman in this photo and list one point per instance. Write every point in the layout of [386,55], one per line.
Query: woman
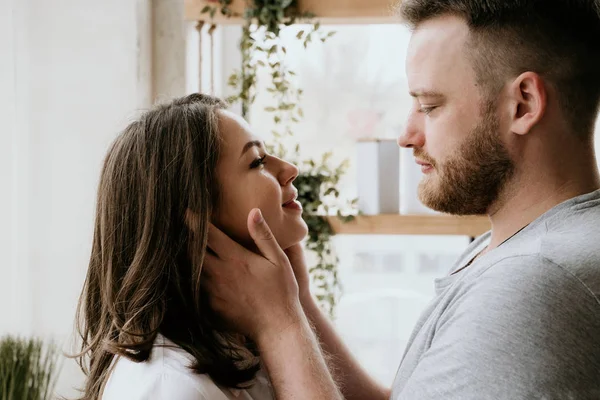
[147,329]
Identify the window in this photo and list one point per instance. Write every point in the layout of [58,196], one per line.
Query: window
[355,87]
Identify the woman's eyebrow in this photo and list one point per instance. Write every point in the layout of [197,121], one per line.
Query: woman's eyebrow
[251,144]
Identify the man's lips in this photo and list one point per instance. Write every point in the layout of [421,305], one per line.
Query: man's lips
[423,163]
[425,166]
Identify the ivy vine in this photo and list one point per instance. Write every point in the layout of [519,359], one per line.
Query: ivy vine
[317,182]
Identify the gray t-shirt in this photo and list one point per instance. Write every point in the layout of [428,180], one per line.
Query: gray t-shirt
[521,322]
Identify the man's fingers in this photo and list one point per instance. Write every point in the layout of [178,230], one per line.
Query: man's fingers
[211,262]
[295,254]
[263,237]
[221,244]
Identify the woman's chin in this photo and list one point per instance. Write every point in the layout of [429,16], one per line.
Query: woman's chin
[293,236]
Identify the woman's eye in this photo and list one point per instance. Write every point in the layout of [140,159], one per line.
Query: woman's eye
[427,110]
[258,162]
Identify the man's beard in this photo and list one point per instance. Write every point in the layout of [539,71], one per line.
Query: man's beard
[471,181]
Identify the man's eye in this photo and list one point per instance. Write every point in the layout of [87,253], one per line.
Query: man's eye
[258,162]
[427,110]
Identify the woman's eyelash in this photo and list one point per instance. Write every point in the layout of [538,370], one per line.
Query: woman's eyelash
[258,162]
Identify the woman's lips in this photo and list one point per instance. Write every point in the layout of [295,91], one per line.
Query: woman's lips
[293,205]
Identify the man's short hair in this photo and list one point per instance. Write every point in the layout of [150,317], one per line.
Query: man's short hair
[558,39]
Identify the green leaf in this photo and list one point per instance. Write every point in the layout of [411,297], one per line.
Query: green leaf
[300,34]
[205,9]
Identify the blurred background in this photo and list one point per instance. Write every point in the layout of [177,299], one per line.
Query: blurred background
[73,73]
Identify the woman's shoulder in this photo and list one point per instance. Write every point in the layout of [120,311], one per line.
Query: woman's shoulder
[166,375]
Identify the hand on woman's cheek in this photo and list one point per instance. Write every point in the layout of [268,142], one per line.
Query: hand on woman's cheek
[250,178]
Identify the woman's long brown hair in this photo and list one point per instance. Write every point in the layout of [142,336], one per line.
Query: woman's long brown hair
[157,192]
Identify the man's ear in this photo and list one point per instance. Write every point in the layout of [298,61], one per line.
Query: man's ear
[528,101]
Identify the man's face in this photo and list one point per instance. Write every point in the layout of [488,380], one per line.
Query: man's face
[453,128]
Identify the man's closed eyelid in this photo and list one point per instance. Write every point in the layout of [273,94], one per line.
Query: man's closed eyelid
[427,109]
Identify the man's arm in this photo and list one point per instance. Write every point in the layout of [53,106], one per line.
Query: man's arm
[354,382]
[258,296]
[295,364]
[352,379]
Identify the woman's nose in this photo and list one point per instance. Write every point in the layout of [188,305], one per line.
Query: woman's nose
[288,173]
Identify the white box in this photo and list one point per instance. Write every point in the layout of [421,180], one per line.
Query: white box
[378,176]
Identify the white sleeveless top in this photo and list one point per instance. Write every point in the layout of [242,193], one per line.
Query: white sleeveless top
[166,376]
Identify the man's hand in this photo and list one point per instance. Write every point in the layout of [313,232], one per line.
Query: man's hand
[295,255]
[257,295]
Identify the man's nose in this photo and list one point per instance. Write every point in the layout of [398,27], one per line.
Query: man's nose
[412,135]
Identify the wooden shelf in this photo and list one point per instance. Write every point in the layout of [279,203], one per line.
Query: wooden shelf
[395,224]
[327,11]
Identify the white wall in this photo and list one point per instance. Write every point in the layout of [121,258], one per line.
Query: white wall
[14,184]
[76,108]
[72,72]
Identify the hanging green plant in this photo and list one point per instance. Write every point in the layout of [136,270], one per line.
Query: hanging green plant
[261,47]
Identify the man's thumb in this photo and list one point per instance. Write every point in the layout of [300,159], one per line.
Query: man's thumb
[263,237]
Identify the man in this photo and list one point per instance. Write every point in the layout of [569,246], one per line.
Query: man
[506,95]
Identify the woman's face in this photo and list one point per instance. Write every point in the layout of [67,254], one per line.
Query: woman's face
[250,178]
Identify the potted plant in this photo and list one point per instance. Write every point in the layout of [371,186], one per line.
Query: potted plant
[28,369]
[317,183]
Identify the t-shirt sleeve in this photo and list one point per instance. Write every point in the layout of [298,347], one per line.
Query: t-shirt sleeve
[524,329]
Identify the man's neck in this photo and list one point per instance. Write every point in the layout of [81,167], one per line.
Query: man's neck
[525,200]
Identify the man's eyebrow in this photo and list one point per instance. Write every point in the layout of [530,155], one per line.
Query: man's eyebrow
[251,144]
[425,93]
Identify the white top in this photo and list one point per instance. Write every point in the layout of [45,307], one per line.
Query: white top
[166,376]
